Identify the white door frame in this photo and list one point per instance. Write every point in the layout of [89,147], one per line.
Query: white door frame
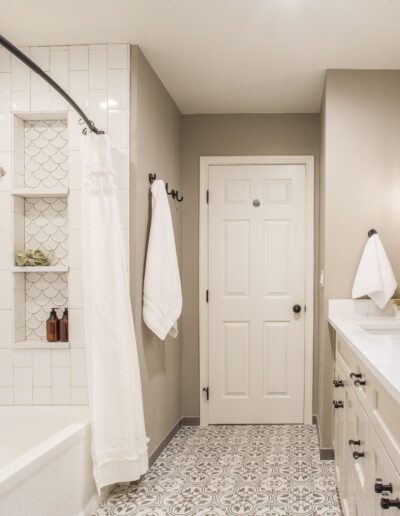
[205,163]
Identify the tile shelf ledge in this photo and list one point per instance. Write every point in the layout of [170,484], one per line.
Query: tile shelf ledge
[42,192]
[40,344]
[47,268]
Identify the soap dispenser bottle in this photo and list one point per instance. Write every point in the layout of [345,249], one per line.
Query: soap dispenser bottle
[53,327]
[64,326]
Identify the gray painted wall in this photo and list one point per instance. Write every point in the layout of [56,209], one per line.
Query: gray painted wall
[156,128]
[360,189]
[213,135]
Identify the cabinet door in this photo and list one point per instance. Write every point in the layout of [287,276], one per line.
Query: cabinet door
[340,391]
[358,455]
[352,505]
[382,468]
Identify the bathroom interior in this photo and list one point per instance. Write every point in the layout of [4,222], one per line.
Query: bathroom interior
[199,256]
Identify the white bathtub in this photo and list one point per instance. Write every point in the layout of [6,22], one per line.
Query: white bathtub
[45,462]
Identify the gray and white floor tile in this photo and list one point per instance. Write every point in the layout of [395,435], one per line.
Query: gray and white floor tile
[271,470]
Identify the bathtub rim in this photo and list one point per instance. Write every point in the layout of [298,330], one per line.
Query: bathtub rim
[27,463]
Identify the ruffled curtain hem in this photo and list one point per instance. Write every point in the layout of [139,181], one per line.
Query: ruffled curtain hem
[113,472]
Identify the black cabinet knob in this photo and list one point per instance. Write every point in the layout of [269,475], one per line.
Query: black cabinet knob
[338,383]
[380,487]
[355,375]
[296,309]
[353,442]
[357,455]
[338,404]
[386,503]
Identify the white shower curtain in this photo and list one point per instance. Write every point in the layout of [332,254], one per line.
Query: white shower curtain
[119,442]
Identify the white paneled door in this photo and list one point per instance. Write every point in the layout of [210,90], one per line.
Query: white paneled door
[256,277]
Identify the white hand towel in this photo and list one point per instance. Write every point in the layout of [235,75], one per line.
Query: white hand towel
[162,296]
[375,277]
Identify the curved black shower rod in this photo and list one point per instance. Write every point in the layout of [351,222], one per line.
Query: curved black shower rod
[33,66]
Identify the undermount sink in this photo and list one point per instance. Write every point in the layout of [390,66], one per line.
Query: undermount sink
[391,329]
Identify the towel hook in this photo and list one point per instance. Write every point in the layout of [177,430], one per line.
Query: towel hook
[372,232]
[177,197]
[152,177]
[172,192]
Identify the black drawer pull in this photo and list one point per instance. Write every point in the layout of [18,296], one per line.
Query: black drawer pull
[352,442]
[357,455]
[338,404]
[355,375]
[386,503]
[358,383]
[380,487]
[338,383]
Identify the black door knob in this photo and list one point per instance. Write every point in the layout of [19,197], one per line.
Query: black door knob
[296,309]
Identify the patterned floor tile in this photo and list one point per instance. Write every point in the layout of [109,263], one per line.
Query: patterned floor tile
[225,470]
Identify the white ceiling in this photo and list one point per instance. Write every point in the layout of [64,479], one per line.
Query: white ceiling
[225,56]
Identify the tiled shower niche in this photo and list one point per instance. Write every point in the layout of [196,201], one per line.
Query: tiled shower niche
[40,222]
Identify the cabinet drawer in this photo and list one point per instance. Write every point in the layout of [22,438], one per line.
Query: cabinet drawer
[352,366]
[348,356]
[382,468]
[358,453]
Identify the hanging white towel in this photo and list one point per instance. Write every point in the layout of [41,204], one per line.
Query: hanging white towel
[119,442]
[162,296]
[375,277]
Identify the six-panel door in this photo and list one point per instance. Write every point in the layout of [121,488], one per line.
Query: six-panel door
[256,276]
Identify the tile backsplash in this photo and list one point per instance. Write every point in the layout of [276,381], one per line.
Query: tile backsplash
[42,152]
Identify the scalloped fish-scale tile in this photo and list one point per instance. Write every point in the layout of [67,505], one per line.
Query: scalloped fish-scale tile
[50,292]
[60,238]
[59,143]
[41,143]
[59,158]
[46,227]
[51,169]
[43,292]
[31,151]
[46,153]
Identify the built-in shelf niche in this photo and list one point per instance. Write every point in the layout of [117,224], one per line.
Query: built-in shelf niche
[40,193]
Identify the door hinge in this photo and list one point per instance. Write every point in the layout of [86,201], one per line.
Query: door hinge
[208,196]
[207,296]
[305,308]
[207,392]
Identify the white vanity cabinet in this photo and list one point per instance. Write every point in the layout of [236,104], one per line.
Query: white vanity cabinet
[366,438]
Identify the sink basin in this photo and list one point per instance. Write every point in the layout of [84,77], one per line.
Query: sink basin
[391,329]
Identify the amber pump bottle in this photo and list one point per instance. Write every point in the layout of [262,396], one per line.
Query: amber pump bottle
[64,326]
[53,327]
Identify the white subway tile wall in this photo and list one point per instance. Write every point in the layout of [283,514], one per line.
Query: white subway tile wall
[97,77]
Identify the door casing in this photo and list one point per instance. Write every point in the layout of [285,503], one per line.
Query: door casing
[205,163]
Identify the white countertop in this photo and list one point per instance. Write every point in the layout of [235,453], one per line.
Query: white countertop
[380,353]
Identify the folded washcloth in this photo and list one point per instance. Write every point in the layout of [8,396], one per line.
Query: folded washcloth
[162,295]
[375,277]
